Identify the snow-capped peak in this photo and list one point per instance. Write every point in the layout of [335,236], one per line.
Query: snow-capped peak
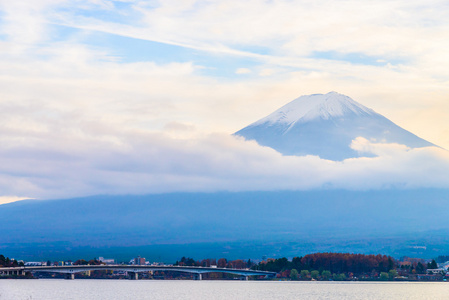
[316,106]
[326,125]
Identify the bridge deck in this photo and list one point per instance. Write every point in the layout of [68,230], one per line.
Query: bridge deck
[137,269]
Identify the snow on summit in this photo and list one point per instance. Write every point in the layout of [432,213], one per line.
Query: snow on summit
[316,106]
[326,125]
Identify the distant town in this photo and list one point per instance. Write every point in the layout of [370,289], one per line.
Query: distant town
[312,267]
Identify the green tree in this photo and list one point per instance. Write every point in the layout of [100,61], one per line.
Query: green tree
[80,262]
[420,269]
[392,274]
[294,274]
[326,275]
[249,263]
[297,264]
[315,274]
[432,265]
[390,263]
[339,277]
[222,262]
[304,274]
[384,276]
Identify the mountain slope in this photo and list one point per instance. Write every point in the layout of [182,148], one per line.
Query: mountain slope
[244,224]
[325,125]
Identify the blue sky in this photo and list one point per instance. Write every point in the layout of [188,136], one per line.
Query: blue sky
[88,77]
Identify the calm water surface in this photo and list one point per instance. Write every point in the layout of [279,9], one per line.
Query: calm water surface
[151,289]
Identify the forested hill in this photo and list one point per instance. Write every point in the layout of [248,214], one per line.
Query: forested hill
[274,223]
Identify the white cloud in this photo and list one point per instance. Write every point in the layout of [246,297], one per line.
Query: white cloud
[8,199]
[242,71]
[266,72]
[363,146]
[408,36]
[154,162]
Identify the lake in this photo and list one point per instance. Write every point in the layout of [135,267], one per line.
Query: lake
[50,289]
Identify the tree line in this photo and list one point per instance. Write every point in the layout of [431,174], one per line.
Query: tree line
[332,262]
[7,262]
[220,263]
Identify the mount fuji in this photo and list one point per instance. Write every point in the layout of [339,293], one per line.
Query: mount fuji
[248,224]
[325,125]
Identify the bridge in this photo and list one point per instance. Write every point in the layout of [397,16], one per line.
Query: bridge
[132,270]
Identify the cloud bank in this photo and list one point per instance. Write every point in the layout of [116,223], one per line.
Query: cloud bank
[155,163]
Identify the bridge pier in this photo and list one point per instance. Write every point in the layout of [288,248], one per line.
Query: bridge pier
[198,276]
[70,276]
[133,275]
[14,272]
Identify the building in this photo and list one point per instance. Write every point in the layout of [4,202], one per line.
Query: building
[35,263]
[436,271]
[139,260]
[108,261]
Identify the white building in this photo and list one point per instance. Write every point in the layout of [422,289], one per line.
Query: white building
[108,261]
